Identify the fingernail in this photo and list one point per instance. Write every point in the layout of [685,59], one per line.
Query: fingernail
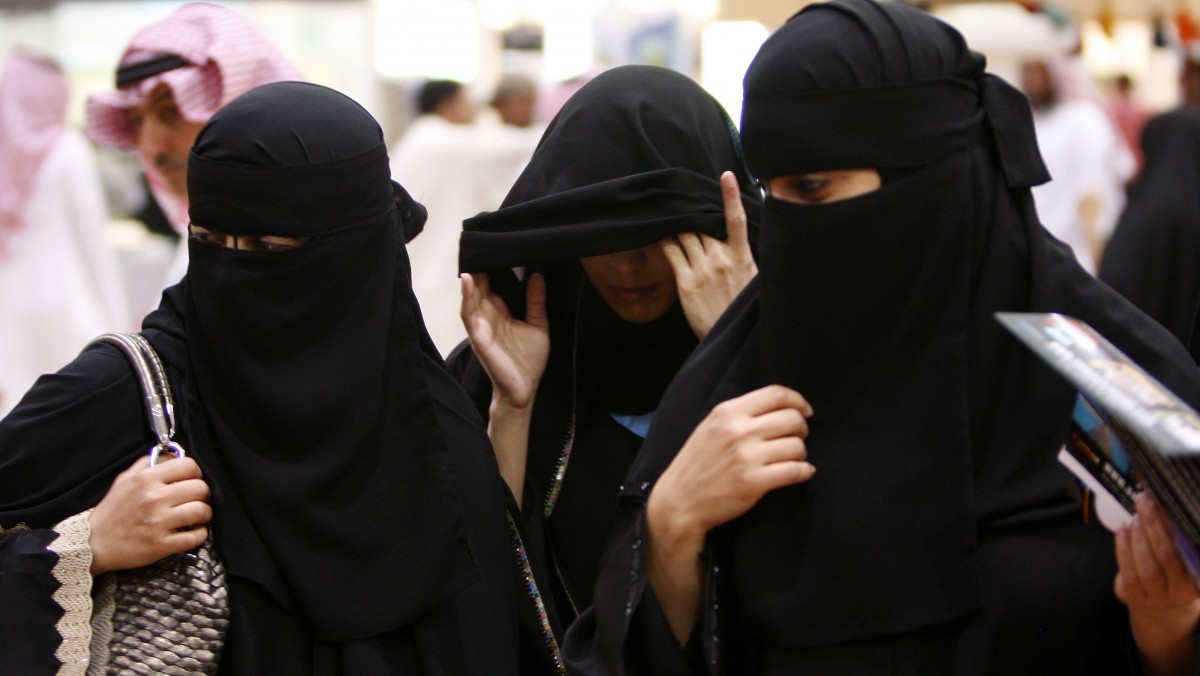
[1144,504]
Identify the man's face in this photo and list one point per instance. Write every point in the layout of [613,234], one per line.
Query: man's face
[1038,84]
[517,110]
[459,109]
[165,137]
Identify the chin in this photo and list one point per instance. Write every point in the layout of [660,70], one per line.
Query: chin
[641,315]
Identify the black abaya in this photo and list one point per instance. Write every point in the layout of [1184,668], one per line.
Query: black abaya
[1153,256]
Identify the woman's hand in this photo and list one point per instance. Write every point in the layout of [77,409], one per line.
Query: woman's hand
[513,352]
[139,521]
[1164,604]
[709,272]
[745,448]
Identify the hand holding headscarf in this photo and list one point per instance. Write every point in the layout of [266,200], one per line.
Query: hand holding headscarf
[711,272]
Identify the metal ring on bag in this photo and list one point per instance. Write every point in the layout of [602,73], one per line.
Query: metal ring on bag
[169,447]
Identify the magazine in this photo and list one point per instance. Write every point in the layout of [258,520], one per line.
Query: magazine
[1129,432]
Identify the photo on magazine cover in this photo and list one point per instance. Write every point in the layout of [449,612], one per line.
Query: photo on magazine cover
[1129,432]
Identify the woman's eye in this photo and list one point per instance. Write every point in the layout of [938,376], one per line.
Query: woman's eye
[803,189]
[209,239]
[269,243]
[812,188]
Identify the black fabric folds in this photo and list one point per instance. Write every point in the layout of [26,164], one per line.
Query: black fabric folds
[934,432]
[1153,256]
[616,170]
[876,112]
[308,390]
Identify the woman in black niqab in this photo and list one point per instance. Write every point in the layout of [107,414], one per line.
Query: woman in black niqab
[356,502]
[938,534]
[1153,256]
[632,159]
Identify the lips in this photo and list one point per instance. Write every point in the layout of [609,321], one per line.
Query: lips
[631,294]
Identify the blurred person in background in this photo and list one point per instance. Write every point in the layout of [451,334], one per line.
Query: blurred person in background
[515,100]
[172,77]
[1153,258]
[458,168]
[1130,115]
[1088,162]
[59,283]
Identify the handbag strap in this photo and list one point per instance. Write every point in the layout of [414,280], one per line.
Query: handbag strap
[156,389]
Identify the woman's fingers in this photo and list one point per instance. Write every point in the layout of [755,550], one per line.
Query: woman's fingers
[693,247]
[735,213]
[781,423]
[1151,576]
[771,398]
[470,302]
[170,469]
[535,301]
[777,475]
[1158,532]
[184,540]
[673,250]
[187,515]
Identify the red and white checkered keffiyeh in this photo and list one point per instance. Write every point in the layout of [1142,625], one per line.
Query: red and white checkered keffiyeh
[230,56]
[33,105]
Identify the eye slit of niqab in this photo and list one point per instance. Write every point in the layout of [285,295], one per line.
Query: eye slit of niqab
[260,243]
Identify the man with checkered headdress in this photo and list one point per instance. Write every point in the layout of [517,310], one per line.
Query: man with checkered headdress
[172,77]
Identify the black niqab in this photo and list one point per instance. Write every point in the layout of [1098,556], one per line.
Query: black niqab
[308,401]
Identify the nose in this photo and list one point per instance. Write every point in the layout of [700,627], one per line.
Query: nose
[152,137]
[628,261]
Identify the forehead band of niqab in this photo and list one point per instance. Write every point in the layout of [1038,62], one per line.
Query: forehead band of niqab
[132,73]
[891,126]
[301,200]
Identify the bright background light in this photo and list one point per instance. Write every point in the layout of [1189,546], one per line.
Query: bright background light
[427,39]
[726,49]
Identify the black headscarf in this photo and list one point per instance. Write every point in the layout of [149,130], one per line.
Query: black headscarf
[635,156]
[932,426]
[1153,257]
[309,403]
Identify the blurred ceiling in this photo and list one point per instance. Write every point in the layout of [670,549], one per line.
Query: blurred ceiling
[775,12]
